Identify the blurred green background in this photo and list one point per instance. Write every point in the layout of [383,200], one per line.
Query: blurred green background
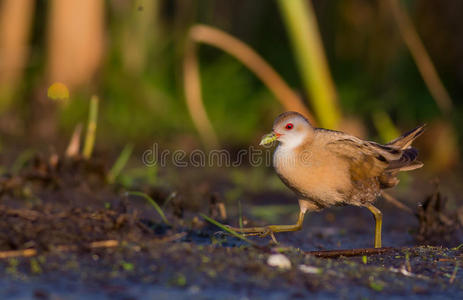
[131,54]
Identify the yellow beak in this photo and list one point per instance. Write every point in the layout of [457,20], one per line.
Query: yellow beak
[269,138]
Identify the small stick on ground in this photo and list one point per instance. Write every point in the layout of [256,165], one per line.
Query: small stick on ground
[18,253]
[92,245]
[350,252]
[61,248]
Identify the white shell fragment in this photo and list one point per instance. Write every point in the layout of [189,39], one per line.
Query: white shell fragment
[279,261]
[309,269]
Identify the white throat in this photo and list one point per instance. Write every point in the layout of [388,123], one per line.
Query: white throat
[293,142]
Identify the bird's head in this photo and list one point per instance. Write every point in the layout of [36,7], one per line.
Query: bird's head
[291,129]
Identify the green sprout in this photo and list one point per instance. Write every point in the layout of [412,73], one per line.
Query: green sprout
[91,127]
[227,229]
[152,202]
[120,163]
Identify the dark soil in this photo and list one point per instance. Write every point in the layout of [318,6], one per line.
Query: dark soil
[63,209]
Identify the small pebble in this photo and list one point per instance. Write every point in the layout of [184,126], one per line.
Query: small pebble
[279,261]
[194,289]
[309,269]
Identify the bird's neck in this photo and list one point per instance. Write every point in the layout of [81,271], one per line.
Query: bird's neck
[287,149]
[293,143]
[289,154]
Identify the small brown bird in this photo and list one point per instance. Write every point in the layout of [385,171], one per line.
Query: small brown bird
[326,168]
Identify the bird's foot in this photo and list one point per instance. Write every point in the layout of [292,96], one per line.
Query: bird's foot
[266,232]
[257,231]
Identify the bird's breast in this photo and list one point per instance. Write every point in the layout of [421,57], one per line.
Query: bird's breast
[312,175]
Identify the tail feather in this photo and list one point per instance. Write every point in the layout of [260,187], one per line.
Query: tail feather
[389,178]
[407,160]
[412,166]
[404,141]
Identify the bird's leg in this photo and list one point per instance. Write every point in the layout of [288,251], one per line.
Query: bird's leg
[379,221]
[271,229]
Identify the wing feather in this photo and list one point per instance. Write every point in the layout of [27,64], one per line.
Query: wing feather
[365,161]
[369,159]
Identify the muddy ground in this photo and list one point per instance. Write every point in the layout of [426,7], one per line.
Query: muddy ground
[67,234]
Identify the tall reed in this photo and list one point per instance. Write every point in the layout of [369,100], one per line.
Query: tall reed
[301,23]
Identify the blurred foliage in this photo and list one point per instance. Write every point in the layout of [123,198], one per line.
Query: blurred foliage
[303,30]
[139,81]
[236,106]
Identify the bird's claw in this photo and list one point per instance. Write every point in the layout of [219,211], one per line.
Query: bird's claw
[264,233]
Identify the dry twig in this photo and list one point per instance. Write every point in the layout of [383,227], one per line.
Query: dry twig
[61,248]
[396,202]
[350,252]
[18,253]
[421,57]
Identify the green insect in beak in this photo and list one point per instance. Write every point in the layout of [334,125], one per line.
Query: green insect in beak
[269,138]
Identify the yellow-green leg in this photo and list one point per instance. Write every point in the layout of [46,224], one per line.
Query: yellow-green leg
[379,221]
[271,229]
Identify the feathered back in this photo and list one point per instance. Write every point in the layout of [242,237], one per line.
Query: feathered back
[369,159]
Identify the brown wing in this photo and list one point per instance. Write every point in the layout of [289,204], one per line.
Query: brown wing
[368,160]
[365,160]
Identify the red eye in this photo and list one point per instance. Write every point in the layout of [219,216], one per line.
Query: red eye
[289,126]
